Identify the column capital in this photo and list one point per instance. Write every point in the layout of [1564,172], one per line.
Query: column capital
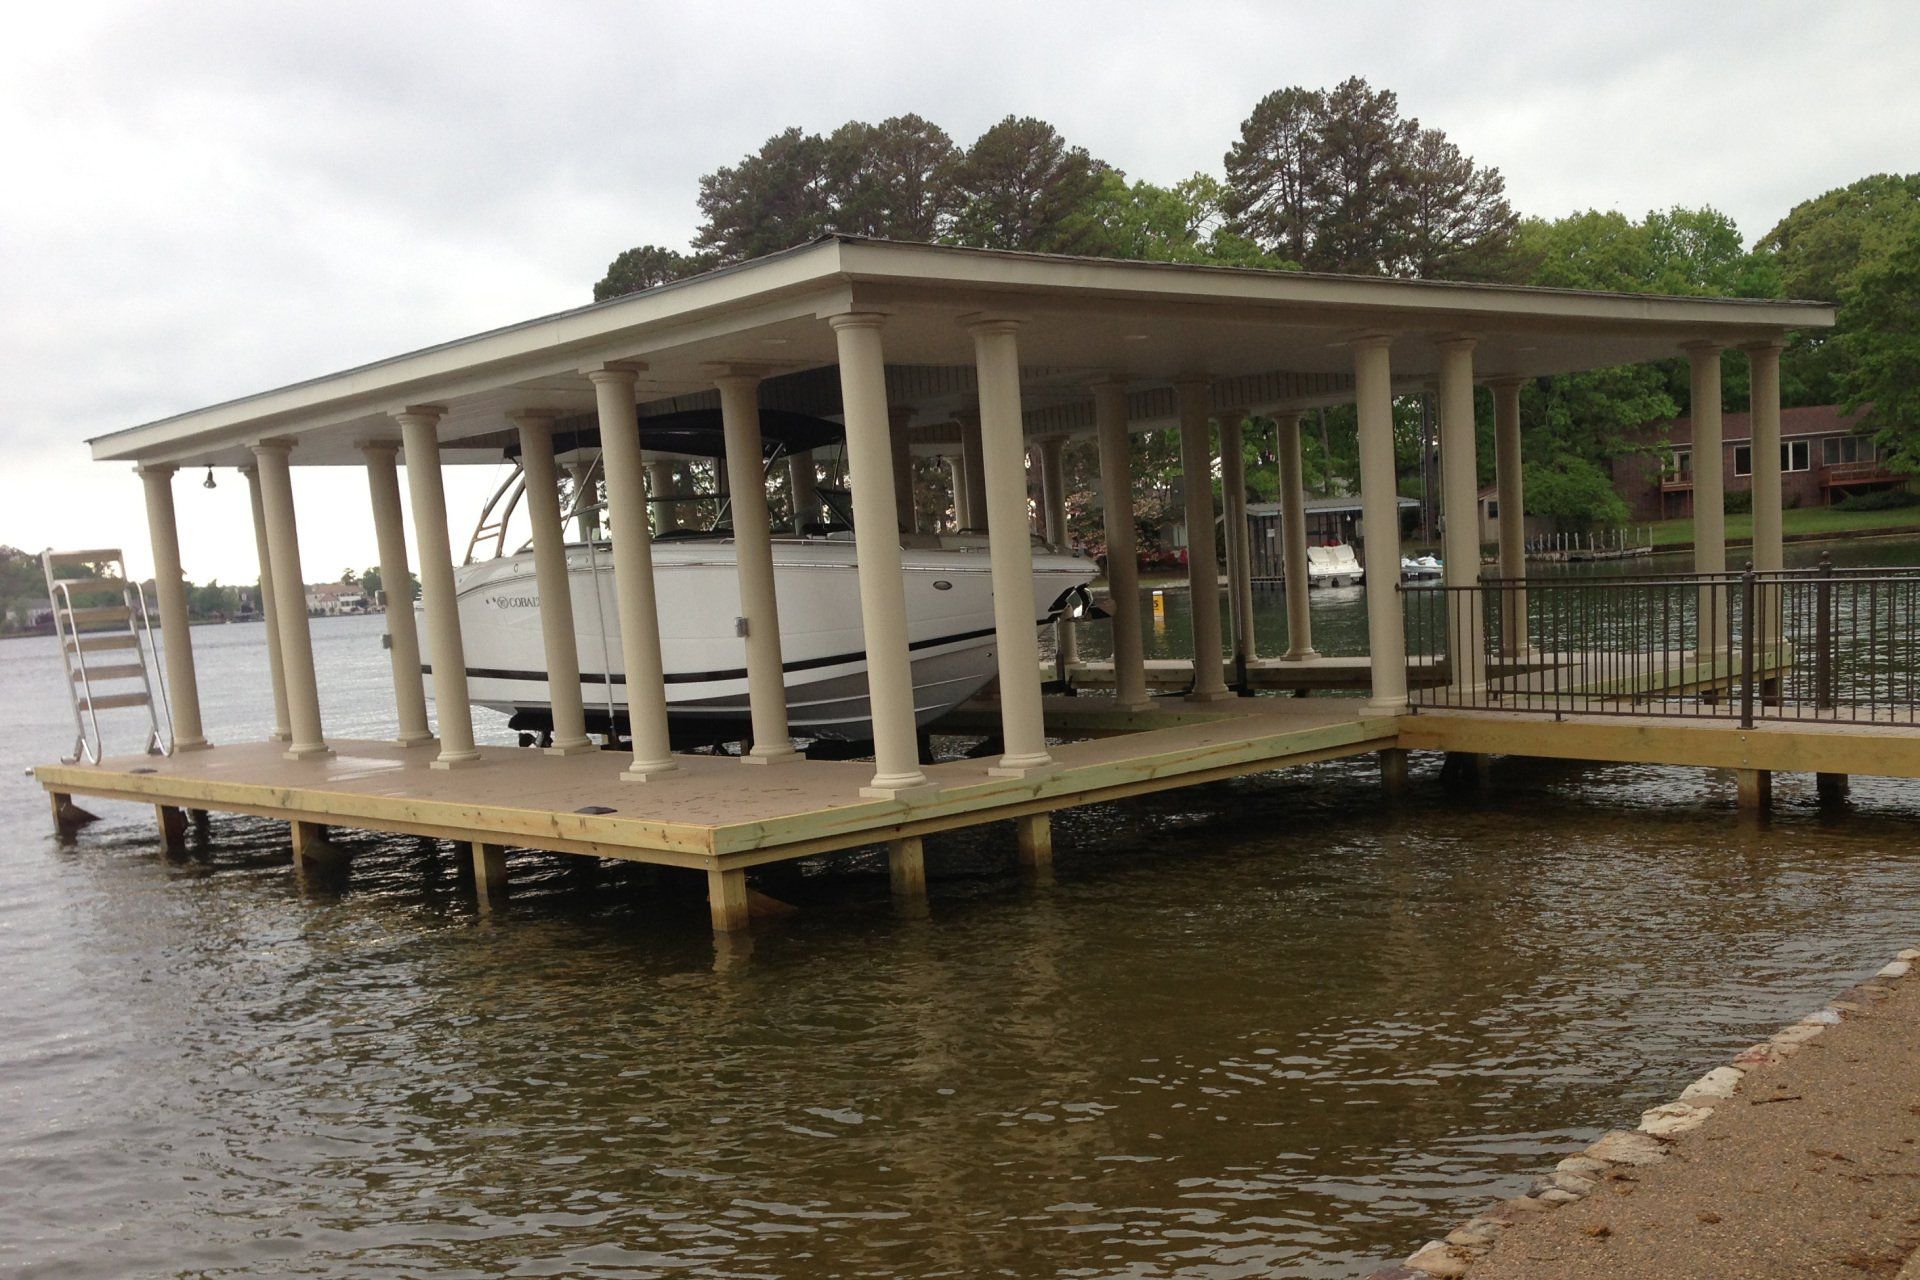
[1232,415]
[156,469]
[737,373]
[532,419]
[371,447]
[986,323]
[627,371]
[1502,381]
[1369,340]
[1774,344]
[857,320]
[430,414]
[281,445]
[1456,341]
[1703,346]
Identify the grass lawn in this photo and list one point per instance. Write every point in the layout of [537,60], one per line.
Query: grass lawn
[1800,520]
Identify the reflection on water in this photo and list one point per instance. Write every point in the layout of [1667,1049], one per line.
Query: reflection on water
[1259,1026]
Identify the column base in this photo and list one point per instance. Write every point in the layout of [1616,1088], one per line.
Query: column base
[1029,766]
[455,762]
[1386,707]
[312,751]
[900,787]
[191,744]
[776,755]
[1305,655]
[1144,704]
[649,770]
[1211,695]
[580,748]
[280,735]
[422,739]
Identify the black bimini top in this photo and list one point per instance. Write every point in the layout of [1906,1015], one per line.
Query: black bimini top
[698,433]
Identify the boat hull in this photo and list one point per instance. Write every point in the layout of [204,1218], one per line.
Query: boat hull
[950,632]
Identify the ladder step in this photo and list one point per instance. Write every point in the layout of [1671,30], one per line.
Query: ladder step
[106,702]
[91,584]
[83,557]
[100,613]
[111,640]
[117,671]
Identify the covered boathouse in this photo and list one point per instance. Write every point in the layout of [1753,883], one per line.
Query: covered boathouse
[909,343]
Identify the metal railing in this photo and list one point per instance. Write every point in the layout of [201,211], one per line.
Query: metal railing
[1825,644]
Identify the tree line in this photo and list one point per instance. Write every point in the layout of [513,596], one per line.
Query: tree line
[1341,180]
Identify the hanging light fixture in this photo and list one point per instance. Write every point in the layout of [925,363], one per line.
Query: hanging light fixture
[209,481]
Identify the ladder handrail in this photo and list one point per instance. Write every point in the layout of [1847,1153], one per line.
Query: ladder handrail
[73,652]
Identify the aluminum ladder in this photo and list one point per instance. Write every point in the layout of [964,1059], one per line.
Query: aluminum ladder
[107,645]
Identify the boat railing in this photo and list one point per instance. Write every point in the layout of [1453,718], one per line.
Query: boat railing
[1823,643]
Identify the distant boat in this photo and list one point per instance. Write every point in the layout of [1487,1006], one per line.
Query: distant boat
[1420,569]
[1334,566]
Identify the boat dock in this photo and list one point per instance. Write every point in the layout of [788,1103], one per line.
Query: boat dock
[993,361]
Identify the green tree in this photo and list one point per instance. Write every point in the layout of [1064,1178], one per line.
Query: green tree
[1574,492]
[645,267]
[1019,187]
[1882,343]
[892,180]
[774,199]
[1459,224]
[1181,223]
[1270,168]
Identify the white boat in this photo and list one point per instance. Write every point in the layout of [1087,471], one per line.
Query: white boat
[950,628]
[1420,569]
[1334,566]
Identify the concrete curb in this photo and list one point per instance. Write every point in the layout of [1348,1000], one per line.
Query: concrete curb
[1578,1176]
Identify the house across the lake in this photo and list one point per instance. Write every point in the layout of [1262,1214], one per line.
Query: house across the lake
[1824,457]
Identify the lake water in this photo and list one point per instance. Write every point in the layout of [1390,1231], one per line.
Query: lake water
[1263,1027]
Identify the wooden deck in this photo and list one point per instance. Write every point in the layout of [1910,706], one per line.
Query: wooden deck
[720,813]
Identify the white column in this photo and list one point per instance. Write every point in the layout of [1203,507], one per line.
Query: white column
[753,554]
[170,585]
[1203,570]
[1123,567]
[883,601]
[1709,491]
[1053,491]
[1460,504]
[996,354]
[898,416]
[1380,509]
[587,521]
[803,485]
[659,484]
[1233,509]
[1768,549]
[633,587]
[1509,476]
[973,474]
[419,435]
[553,582]
[1293,539]
[269,608]
[403,640]
[290,597]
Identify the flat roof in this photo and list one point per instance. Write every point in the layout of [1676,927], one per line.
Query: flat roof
[1267,340]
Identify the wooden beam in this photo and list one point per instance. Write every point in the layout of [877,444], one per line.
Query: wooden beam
[1393,772]
[727,900]
[907,868]
[1035,837]
[489,873]
[1755,787]
[173,828]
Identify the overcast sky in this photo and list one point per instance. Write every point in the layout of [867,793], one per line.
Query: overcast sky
[211,199]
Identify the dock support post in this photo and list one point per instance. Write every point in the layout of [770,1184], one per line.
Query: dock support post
[68,817]
[170,585]
[973,473]
[269,608]
[1709,500]
[883,602]
[1195,397]
[1233,510]
[907,868]
[727,900]
[1053,488]
[1754,789]
[1509,477]
[1464,772]
[1293,545]
[1393,773]
[1380,510]
[552,581]
[419,432]
[1123,557]
[396,583]
[1460,510]
[173,828]
[1832,787]
[1010,546]
[311,851]
[308,741]
[636,606]
[489,873]
[753,554]
[1035,835]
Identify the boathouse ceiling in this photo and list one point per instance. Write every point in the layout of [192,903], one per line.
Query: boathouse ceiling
[1266,340]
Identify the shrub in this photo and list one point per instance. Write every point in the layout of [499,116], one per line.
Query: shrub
[1740,503]
[1879,500]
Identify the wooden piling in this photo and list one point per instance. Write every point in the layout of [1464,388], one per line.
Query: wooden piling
[68,817]
[489,873]
[1754,789]
[312,852]
[907,868]
[727,900]
[1035,833]
[1832,787]
[173,828]
[1393,772]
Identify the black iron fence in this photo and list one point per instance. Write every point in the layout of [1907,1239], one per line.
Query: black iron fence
[1805,644]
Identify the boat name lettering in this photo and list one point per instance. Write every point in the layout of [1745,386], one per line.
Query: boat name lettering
[514,602]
